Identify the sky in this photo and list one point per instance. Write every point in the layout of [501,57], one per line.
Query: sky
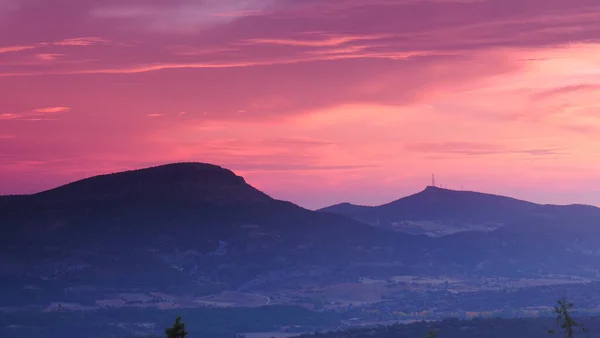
[312,101]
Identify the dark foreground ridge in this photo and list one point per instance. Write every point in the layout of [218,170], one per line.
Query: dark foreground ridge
[200,225]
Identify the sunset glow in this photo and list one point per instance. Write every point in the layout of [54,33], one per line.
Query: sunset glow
[312,101]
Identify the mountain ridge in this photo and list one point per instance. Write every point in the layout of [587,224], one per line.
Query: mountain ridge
[200,166]
[206,230]
[446,211]
[185,178]
[148,216]
[430,188]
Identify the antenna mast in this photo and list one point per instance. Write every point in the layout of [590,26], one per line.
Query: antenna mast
[433,180]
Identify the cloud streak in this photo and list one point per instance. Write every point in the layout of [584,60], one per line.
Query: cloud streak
[327,56]
[85,41]
[48,57]
[182,17]
[39,114]
[73,42]
[50,110]
[324,41]
[550,93]
[480,149]
[12,49]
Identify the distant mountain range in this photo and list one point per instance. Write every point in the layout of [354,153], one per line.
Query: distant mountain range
[436,211]
[193,228]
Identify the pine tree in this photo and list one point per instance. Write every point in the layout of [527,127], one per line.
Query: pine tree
[565,319]
[177,330]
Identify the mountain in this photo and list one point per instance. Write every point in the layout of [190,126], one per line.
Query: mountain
[436,211]
[185,196]
[190,227]
[192,230]
[492,234]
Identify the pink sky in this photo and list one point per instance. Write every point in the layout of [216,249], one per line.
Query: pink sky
[313,101]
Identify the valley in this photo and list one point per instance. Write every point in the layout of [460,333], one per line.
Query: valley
[334,296]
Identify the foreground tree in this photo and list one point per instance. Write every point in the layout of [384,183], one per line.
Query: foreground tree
[564,318]
[177,330]
[431,334]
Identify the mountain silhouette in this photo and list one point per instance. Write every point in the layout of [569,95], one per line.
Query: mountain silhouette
[200,225]
[452,211]
[195,228]
[189,197]
[194,182]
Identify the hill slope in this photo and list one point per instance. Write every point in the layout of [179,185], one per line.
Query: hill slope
[189,227]
[437,211]
[206,200]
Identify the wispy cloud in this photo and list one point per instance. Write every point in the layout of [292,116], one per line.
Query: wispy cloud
[48,56]
[80,42]
[566,90]
[262,167]
[183,17]
[322,40]
[238,14]
[479,149]
[39,114]
[134,69]
[12,49]
[84,41]
[58,109]
[187,50]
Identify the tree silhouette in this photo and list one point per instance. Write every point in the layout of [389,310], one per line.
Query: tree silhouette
[177,330]
[565,320]
[431,334]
